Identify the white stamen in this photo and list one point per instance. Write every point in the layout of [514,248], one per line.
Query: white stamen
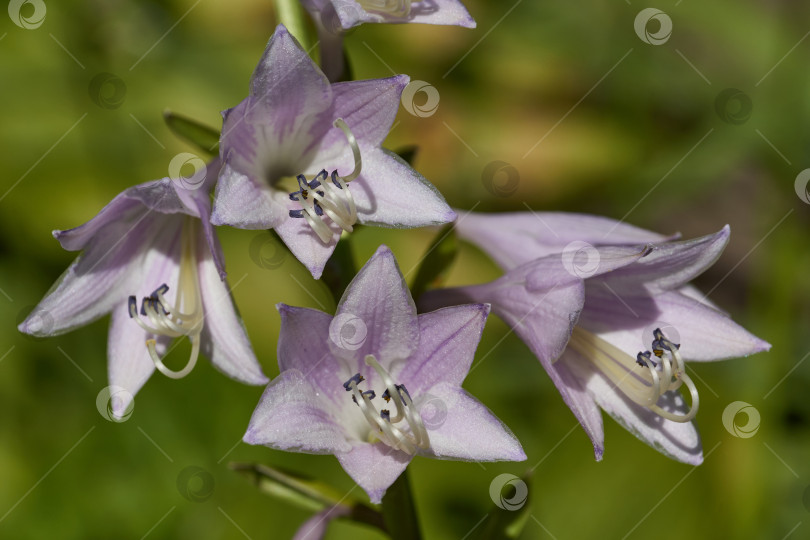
[398,8]
[185,317]
[642,384]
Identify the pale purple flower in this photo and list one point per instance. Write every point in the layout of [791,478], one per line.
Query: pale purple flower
[589,296]
[376,384]
[152,260]
[334,17]
[295,123]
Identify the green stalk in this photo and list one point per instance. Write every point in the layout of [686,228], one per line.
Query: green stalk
[399,510]
[291,14]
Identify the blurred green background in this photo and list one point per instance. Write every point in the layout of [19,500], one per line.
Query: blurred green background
[626,129]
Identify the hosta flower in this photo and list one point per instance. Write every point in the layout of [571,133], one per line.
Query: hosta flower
[376,384]
[334,17]
[303,157]
[608,311]
[152,260]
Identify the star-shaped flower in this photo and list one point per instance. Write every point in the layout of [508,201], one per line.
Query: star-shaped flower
[376,384]
[608,311]
[295,123]
[152,242]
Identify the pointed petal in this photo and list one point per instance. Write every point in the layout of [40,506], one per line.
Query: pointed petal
[245,204]
[447,343]
[514,238]
[307,247]
[378,304]
[670,265]
[129,363]
[704,333]
[298,350]
[291,416]
[224,339]
[374,467]
[679,441]
[315,527]
[469,432]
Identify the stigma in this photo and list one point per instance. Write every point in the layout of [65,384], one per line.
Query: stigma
[410,435]
[642,379]
[160,317]
[397,8]
[328,195]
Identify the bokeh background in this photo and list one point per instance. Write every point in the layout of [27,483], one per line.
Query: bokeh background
[616,126]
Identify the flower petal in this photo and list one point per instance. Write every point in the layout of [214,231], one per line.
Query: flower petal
[374,467]
[447,343]
[442,12]
[378,304]
[315,527]
[303,242]
[245,204]
[514,238]
[677,440]
[469,431]
[291,416]
[224,338]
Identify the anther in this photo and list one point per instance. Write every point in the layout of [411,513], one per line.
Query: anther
[356,379]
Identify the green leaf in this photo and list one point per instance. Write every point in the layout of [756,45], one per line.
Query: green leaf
[399,511]
[436,262]
[408,153]
[203,137]
[506,523]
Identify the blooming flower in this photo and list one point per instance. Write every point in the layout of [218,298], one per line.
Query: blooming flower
[376,384]
[153,241]
[608,311]
[334,17]
[295,123]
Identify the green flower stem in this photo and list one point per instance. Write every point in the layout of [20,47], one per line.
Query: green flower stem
[291,15]
[399,510]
